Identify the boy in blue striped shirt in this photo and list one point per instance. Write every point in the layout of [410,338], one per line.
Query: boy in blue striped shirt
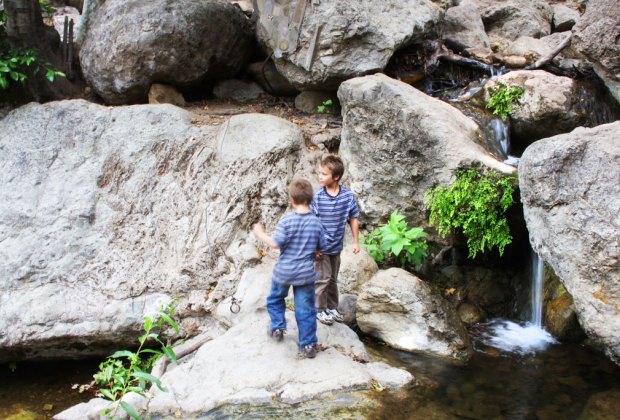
[335,206]
[299,235]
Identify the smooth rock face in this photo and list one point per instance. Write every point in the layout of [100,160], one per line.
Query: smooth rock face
[596,35]
[514,18]
[245,366]
[130,44]
[355,37]
[398,142]
[401,310]
[570,188]
[463,24]
[549,105]
[107,212]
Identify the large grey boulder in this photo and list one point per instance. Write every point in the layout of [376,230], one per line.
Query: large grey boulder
[514,18]
[596,35]
[130,44]
[404,312]
[107,212]
[549,105]
[570,188]
[244,366]
[317,45]
[398,142]
[463,25]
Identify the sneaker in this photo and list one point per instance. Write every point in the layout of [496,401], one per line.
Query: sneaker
[277,334]
[325,318]
[337,316]
[308,352]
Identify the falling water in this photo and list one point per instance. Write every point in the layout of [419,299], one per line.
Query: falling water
[500,136]
[530,336]
[537,288]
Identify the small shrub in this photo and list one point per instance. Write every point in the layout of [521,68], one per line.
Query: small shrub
[395,242]
[476,204]
[126,371]
[325,107]
[502,98]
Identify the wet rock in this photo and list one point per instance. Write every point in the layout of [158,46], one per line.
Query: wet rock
[548,106]
[131,44]
[570,194]
[559,316]
[470,314]
[602,406]
[331,41]
[401,310]
[398,142]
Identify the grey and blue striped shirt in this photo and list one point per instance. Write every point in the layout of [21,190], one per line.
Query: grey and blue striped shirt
[334,213]
[299,236]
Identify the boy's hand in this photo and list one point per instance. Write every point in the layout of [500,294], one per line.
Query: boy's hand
[317,256]
[258,228]
[356,248]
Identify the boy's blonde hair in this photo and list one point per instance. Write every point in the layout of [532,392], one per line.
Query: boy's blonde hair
[300,191]
[334,164]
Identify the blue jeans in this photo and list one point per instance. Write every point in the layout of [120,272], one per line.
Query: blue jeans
[305,311]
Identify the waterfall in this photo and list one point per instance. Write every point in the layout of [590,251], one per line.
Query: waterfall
[500,141]
[538,270]
[523,338]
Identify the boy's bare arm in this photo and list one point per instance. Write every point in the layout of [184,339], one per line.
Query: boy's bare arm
[355,229]
[259,232]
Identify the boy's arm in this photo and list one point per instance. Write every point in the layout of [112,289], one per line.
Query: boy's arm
[260,233]
[355,229]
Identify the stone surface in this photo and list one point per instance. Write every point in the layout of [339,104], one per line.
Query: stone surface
[401,310]
[244,366]
[354,37]
[165,94]
[398,142]
[116,210]
[549,105]
[602,406]
[309,101]
[596,35]
[270,79]
[237,90]
[130,44]
[463,24]
[571,196]
[514,18]
[564,17]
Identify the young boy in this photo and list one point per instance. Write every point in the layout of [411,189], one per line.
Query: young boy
[335,206]
[298,235]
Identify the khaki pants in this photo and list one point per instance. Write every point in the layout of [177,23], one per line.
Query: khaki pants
[327,285]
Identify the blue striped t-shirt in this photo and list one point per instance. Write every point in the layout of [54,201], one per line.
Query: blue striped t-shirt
[299,236]
[334,213]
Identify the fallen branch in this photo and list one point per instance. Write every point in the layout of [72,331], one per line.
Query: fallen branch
[546,59]
[183,350]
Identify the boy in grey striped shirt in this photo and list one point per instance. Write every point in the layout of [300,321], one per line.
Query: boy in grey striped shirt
[335,206]
[299,235]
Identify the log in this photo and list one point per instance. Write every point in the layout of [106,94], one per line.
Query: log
[546,59]
[183,350]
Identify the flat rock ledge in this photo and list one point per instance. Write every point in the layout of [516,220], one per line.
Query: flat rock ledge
[243,366]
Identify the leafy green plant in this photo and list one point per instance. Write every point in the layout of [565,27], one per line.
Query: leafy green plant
[46,7]
[325,107]
[126,371]
[16,64]
[394,241]
[476,204]
[502,98]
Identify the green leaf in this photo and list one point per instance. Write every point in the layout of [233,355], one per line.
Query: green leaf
[148,377]
[122,353]
[169,321]
[170,354]
[107,394]
[130,410]
[148,323]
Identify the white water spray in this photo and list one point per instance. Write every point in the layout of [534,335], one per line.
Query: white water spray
[528,338]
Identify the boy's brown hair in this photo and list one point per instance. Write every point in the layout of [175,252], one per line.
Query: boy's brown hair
[334,164]
[300,191]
